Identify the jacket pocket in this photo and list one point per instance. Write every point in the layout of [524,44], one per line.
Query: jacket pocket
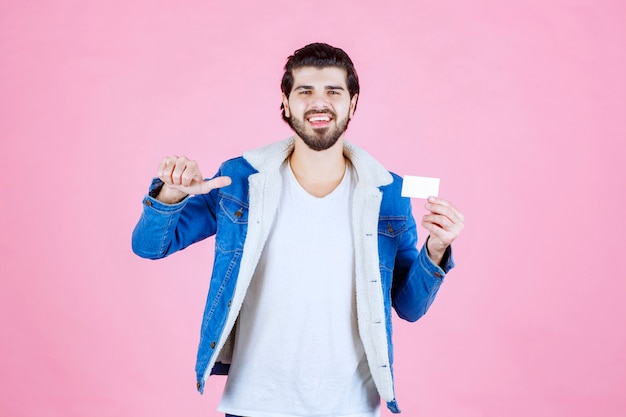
[236,211]
[392,226]
[232,225]
[389,230]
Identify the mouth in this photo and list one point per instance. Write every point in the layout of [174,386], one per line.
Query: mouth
[319,120]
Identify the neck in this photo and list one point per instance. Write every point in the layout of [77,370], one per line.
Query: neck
[318,172]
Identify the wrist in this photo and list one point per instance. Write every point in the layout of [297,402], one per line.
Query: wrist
[435,252]
[169,195]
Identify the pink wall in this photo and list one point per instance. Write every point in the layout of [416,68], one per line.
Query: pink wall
[517,106]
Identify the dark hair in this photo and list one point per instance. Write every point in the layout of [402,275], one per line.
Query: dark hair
[319,55]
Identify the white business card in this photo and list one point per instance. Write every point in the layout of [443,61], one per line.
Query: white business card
[420,187]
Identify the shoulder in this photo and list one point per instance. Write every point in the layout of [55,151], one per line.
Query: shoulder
[239,170]
[394,188]
[393,202]
[237,167]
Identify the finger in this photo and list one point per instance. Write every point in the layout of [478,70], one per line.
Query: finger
[451,206]
[437,234]
[445,234]
[217,182]
[439,200]
[443,207]
[435,223]
[180,165]
[442,221]
[190,173]
[166,168]
[442,228]
[438,211]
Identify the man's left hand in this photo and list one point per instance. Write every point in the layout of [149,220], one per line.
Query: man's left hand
[445,223]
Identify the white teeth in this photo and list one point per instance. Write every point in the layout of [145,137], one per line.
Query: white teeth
[319,119]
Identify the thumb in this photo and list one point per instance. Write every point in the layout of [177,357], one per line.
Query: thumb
[218,182]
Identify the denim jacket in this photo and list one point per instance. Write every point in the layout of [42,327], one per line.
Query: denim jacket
[390,271]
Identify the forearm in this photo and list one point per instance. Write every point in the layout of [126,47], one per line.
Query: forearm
[416,287]
[153,234]
[166,228]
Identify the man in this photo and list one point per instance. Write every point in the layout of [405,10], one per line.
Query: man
[313,247]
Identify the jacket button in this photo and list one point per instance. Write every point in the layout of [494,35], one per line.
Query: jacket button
[212,345]
[239,213]
[389,228]
[437,274]
[148,203]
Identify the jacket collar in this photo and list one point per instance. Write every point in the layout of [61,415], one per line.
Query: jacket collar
[269,158]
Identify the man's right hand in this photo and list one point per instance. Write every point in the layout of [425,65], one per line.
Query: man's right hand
[181,177]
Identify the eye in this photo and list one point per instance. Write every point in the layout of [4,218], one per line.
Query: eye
[305,92]
[333,92]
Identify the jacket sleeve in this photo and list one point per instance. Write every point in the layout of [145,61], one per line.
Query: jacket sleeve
[416,279]
[166,228]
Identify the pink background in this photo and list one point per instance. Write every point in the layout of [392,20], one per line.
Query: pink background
[517,106]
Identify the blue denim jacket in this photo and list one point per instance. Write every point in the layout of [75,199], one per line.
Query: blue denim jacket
[390,271]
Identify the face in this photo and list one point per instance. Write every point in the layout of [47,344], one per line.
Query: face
[319,107]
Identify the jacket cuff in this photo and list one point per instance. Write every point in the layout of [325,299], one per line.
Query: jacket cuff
[151,201]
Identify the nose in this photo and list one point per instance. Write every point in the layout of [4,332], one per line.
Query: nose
[319,101]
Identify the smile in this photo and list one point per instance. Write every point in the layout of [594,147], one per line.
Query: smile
[314,119]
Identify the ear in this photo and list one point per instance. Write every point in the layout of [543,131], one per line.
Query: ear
[353,102]
[286,105]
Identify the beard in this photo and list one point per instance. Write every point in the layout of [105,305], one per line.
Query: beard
[319,139]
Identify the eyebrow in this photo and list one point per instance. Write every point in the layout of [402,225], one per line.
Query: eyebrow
[310,87]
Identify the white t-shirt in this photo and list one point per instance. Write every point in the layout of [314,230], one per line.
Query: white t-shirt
[298,350]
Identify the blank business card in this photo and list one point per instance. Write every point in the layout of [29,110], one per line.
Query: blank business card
[420,187]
